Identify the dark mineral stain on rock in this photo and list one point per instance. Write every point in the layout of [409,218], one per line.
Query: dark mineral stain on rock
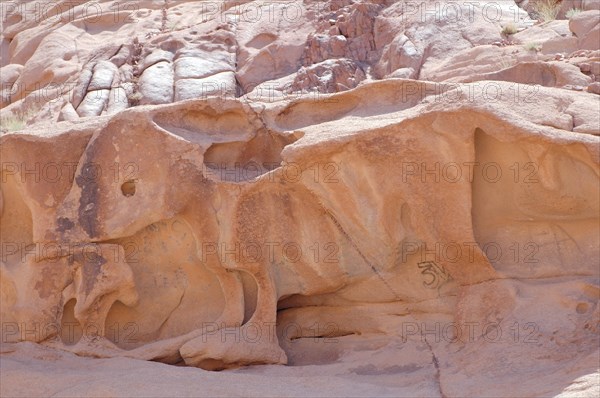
[52,279]
[87,180]
[91,267]
[64,224]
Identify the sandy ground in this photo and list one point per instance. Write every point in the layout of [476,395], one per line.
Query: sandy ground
[32,370]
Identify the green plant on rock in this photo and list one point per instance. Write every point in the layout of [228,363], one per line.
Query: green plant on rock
[11,123]
[17,120]
[572,12]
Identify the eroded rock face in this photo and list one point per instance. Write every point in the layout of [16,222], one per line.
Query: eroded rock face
[222,193]
[241,207]
[77,63]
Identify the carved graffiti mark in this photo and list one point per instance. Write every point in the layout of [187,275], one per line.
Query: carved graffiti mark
[435,275]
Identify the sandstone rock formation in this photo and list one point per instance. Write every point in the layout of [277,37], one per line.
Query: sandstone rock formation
[390,200]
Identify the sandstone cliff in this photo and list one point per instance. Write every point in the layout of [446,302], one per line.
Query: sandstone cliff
[390,198]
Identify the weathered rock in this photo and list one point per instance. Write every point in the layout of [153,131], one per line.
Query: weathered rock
[163,192]
[583,23]
[68,113]
[286,193]
[594,88]
[563,45]
[586,26]
[9,75]
[219,84]
[156,84]
[117,101]
[401,53]
[155,57]
[200,66]
[583,5]
[103,76]
[94,103]
[549,74]
[328,77]
[321,47]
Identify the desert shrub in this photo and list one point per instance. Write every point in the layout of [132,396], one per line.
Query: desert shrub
[134,98]
[533,47]
[17,120]
[572,12]
[509,29]
[547,9]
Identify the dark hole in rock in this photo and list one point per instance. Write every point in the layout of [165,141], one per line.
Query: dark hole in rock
[128,188]
[581,308]
[70,328]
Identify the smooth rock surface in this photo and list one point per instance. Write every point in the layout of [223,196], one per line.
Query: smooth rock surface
[317,198]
